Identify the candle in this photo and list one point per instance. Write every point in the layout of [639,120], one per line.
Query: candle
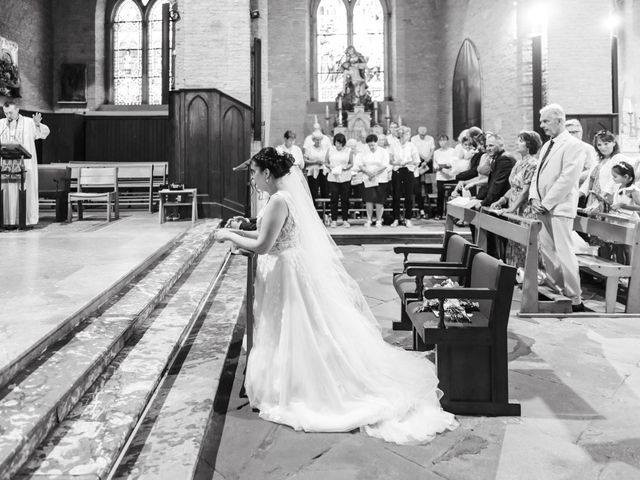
[388,114]
[375,105]
[326,111]
[399,120]
[339,103]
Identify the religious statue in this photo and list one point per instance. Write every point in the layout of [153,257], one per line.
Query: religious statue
[353,66]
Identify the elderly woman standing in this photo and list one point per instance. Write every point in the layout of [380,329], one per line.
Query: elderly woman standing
[315,156]
[517,197]
[289,146]
[339,161]
[516,200]
[374,164]
[405,161]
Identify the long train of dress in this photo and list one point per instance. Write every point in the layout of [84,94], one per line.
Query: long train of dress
[319,362]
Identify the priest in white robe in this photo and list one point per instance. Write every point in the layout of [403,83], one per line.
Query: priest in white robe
[15,128]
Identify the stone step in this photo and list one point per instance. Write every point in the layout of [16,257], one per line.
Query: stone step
[12,366]
[43,395]
[182,420]
[90,439]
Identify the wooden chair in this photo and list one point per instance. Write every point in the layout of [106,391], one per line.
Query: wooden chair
[96,185]
[454,252]
[53,188]
[431,194]
[471,358]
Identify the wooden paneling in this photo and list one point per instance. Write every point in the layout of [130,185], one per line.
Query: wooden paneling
[127,139]
[198,145]
[211,133]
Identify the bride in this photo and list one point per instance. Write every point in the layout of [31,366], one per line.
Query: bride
[319,362]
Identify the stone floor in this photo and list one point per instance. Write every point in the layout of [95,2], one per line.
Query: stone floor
[578,381]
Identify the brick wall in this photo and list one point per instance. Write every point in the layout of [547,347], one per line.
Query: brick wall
[492,27]
[28,23]
[415,62]
[289,74]
[213,47]
[75,41]
[579,56]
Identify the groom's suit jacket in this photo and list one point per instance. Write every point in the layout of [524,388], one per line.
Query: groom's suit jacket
[555,182]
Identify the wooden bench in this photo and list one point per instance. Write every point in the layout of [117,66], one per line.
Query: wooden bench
[139,182]
[619,231]
[323,208]
[524,231]
[471,358]
[454,252]
[54,182]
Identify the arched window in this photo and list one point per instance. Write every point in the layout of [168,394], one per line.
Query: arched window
[338,24]
[137,52]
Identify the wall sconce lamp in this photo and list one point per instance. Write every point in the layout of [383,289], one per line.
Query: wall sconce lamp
[254,14]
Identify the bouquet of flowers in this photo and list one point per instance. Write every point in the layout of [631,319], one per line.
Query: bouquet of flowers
[458,310]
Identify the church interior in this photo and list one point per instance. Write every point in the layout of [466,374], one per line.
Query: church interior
[124,337]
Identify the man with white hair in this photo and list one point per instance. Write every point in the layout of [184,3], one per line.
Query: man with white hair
[554,198]
[574,127]
[425,145]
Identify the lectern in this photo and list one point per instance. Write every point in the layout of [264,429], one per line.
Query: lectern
[12,171]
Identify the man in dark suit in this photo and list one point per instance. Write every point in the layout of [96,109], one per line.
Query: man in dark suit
[501,166]
[497,186]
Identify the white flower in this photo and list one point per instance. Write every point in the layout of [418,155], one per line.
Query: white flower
[280,149]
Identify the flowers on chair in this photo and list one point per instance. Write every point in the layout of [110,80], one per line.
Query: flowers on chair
[456,310]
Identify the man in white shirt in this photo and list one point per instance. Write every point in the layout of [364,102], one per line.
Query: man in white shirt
[425,145]
[574,127]
[554,198]
[392,136]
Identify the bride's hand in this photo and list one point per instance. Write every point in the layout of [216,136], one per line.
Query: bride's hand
[222,235]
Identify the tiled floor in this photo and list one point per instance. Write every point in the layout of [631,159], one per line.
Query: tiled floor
[578,381]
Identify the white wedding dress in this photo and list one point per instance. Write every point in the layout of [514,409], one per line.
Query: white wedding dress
[319,362]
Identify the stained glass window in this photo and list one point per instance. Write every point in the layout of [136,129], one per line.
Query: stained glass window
[368,38]
[331,41]
[340,23]
[155,53]
[127,54]
[137,73]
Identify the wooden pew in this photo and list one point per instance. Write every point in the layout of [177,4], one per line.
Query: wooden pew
[54,182]
[139,182]
[454,252]
[471,358]
[620,231]
[526,233]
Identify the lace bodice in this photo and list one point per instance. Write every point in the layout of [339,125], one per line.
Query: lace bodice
[288,236]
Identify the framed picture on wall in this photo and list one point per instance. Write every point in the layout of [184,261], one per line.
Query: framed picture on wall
[73,83]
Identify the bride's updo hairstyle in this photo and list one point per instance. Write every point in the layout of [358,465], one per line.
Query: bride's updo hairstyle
[277,161]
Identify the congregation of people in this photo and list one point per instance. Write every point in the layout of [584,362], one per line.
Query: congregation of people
[548,182]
